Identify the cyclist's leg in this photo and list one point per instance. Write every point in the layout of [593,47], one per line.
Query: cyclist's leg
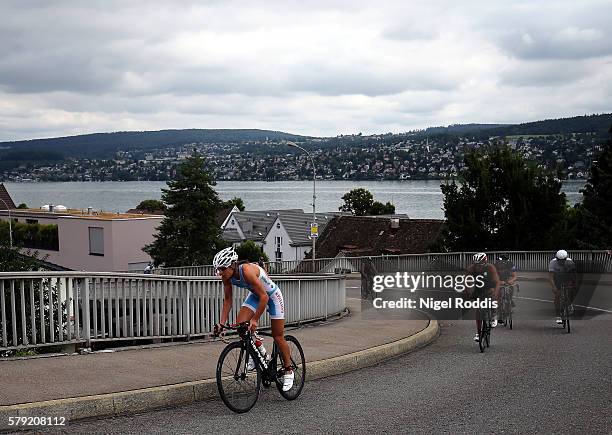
[494,297]
[557,299]
[276,309]
[248,308]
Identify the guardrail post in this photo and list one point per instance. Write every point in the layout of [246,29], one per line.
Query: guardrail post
[85,308]
[299,299]
[326,297]
[187,314]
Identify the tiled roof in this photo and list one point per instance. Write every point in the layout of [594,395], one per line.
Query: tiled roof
[360,235]
[231,235]
[6,200]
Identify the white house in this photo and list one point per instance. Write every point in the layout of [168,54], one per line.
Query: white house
[284,235]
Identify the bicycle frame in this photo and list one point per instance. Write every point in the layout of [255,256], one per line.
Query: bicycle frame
[267,368]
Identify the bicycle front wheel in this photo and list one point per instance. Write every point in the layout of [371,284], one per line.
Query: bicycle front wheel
[238,386]
[298,364]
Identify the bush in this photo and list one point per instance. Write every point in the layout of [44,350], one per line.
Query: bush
[251,252]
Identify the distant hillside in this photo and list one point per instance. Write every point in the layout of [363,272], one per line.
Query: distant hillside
[599,124]
[461,128]
[104,145]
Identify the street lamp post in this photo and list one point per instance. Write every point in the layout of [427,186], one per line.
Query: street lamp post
[10,223]
[314,196]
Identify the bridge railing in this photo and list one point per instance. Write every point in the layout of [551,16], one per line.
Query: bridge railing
[527,261]
[58,308]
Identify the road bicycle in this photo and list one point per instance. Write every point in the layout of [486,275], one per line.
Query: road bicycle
[484,331]
[506,308]
[565,306]
[239,386]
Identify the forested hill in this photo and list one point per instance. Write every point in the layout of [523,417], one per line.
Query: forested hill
[599,124]
[104,145]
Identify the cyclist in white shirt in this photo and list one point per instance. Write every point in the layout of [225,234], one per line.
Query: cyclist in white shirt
[562,270]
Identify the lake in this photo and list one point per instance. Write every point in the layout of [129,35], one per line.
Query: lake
[416,198]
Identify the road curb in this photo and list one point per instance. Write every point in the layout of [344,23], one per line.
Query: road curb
[146,399]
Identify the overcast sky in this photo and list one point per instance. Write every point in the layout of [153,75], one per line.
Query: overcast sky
[308,67]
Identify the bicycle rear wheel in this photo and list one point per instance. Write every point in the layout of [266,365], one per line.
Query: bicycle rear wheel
[481,335]
[567,312]
[238,386]
[298,364]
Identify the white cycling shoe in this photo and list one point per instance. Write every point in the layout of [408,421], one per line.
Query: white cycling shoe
[250,364]
[494,322]
[288,381]
[476,337]
[559,320]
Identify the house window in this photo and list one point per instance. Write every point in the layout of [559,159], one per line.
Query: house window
[96,241]
[278,225]
[278,241]
[279,255]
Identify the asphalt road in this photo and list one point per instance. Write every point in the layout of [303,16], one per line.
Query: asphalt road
[534,379]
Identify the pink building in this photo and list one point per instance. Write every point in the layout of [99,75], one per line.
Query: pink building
[93,241]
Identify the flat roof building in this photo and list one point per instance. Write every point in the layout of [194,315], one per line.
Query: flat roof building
[92,240]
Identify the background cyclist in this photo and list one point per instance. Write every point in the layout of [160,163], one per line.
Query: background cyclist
[507,274]
[562,270]
[263,293]
[482,267]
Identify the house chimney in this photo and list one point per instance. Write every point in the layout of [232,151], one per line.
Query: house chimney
[89,210]
[395,223]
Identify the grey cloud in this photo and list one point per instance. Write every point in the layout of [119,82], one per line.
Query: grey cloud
[409,33]
[548,74]
[360,80]
[565,43]
[564,29]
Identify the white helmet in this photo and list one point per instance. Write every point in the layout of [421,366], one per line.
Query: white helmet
[561,254]
[480,258]
[225,258]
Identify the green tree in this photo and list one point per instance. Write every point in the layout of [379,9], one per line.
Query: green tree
[235,202]
[503,202]
[12,260]
[22,205]
[594,228]
[378,208]
[188,234]
[361,202]
[250,251]
[151,205]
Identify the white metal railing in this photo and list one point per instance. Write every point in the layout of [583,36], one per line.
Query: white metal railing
[534,261]
[57,308]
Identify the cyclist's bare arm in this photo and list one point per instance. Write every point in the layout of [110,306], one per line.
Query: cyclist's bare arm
[250,274]
[551,280]
[512,278]
[495,277]
[227,301]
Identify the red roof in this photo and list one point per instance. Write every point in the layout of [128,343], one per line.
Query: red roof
[361,235]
